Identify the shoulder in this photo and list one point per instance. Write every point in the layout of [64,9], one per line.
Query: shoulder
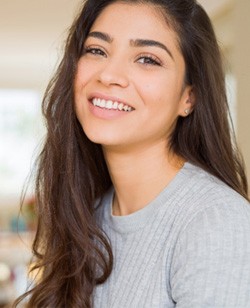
[206,194]
[214,217]
[208,208]
[210,265]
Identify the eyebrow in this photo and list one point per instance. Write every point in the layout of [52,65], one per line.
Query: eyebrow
[144,43]
[135,43]
[100,35]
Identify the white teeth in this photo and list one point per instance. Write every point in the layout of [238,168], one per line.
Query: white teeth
[120,106]
[115,105]
[102,103]
[109,104]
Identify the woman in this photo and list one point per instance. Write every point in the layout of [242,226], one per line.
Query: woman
[142,196]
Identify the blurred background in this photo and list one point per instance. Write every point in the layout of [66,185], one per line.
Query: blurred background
[32,34]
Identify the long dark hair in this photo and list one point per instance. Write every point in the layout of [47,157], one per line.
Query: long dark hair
[71,251]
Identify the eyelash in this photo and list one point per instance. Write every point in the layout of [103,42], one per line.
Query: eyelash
[149,59]
[94,51]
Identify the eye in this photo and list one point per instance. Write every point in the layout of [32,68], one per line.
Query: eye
[94,51]
[149,60]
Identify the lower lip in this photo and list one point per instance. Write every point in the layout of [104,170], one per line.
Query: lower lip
[106,114]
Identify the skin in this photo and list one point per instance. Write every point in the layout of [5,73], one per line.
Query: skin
[150,79]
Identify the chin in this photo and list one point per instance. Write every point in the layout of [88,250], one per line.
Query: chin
[102,138]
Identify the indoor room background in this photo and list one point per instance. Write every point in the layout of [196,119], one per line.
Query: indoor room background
[32,34]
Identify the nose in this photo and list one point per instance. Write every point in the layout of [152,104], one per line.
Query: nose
[114,74]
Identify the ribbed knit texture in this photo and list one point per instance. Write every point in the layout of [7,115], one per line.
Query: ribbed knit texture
[188,248]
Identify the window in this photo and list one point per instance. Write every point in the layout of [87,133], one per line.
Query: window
[20,134]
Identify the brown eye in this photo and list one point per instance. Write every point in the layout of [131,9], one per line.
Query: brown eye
[148,61]
[94,51]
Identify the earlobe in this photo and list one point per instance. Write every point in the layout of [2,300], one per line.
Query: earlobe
[188,102]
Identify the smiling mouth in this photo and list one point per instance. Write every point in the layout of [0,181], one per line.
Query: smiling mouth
[111,105]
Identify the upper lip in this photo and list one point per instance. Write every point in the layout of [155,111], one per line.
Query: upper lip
[107,97]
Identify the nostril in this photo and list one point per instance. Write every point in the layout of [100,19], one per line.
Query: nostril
[113,77]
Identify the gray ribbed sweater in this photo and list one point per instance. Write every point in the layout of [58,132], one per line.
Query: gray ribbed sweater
[188,248]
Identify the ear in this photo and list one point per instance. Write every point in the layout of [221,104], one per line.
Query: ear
[187,101]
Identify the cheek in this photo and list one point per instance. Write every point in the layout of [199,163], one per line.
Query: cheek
[86,71]
[82,79]
[155,93]
[82,76]
[161,99]
[155,85]
[160,91]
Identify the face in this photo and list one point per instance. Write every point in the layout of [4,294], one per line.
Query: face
[129,86]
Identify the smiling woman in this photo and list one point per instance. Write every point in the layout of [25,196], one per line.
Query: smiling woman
[141,192]
[140,83]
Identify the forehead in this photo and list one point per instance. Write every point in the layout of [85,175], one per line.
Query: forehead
[138,20]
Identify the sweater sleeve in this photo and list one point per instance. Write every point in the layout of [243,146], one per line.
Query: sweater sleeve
[211,261]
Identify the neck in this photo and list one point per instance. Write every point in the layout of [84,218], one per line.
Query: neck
[140,175]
